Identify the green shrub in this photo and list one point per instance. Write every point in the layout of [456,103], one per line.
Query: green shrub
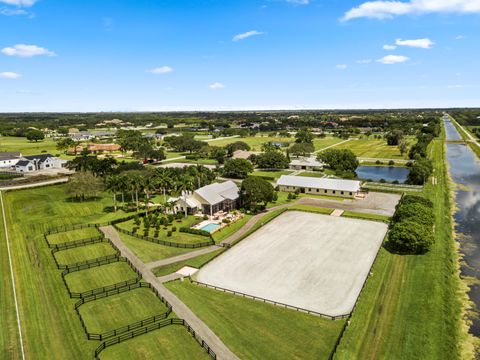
[205,217]
[408,237]
[226,221]
[195,231]
[391,163]
[156,234]
[409,199]
[174,229]
[415,212]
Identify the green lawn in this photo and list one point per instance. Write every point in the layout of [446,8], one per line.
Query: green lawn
[255,330]
[99,276]
[272,174]
[323,143]
[9,339]
[119,310]
[374,149]
[177,236]
[148,251]
[21,144]
[255,143]
[73,235]
[314,209]
[171,342]
[49,323]
[84,253]
[196,262]
[410,307]
[316,174]
[365,216]
[224,233]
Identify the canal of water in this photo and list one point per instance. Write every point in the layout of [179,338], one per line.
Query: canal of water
[464,169]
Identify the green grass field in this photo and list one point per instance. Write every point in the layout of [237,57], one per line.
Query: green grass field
[374,149]
[84,253]
[225,232]
[177,236]
[119,310]
[196,262]
[255,330]
[326,142]
[9,339]
[49,323]
[410,307]
[148,251]
[100,276]
[255,143]
[73,235]
[273,174]
[20,144]
[172,342]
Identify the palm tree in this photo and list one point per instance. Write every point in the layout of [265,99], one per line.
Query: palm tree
[112,184]
[164,180]
[184,185]
[148,188]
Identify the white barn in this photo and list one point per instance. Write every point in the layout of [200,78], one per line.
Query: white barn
[319,186]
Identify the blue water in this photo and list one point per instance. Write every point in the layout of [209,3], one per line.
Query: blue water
[387,173]
[464,169]
[210,227]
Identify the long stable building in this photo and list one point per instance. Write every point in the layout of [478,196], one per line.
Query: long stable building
[319,186]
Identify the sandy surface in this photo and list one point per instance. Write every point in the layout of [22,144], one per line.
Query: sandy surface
[310,261]
[374,203]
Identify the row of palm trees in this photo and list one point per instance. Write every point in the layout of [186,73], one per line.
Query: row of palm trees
[160,181]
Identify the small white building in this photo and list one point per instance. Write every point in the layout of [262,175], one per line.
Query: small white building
[319,186]
[306,163]
[39,162]
[9,159]
[210,199]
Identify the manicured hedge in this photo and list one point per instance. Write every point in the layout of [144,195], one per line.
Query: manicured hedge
[195,231]
[411,231]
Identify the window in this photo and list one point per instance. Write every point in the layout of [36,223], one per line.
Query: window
[342,192]
[318,190]
[325,191]
[351,193]
[333,192]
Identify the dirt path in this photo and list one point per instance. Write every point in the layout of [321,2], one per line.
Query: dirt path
[220,349]
[32,185]
[182,257]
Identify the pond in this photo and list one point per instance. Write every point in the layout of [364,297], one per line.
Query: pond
[387,173]
[464,169]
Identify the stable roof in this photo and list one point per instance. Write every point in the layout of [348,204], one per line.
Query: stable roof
[218,192]
[319,183]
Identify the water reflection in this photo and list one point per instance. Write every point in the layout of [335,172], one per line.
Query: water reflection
[465,171]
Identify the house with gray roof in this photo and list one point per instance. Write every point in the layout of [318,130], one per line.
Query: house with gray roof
[210,199]
[39,162]
[319,186]
[306,163]
[9,159]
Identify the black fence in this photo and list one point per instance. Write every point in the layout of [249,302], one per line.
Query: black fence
[150,328]
[77,243]
[276,303]
[84,263]
[166,243]
[127,328]
[96,291]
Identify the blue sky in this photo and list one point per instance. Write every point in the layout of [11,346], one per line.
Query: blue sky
[146,55]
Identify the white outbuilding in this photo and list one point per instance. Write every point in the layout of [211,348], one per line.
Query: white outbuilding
[319,186]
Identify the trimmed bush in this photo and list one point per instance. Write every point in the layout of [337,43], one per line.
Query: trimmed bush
[408,237]
[169,233]
[415,212]
[409,199]
[195,231]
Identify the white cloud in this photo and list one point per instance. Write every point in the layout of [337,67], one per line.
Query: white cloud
[460,37]
[389,47]
[341,66]
[162,70]
[22,50]
[364,61]
[393,59]
[19,2]
[9,75]
[13,12]
[246,35]
[390,9]
[418,43]
[216,86]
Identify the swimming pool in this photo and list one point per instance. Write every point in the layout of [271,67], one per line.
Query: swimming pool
[210,227]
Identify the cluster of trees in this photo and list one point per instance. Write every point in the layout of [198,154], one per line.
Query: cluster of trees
[342,161]
[256,193]
[411,231]
[34,135]
[185,142]
[237,168]
[422,168]
[142,148]
[271,160]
